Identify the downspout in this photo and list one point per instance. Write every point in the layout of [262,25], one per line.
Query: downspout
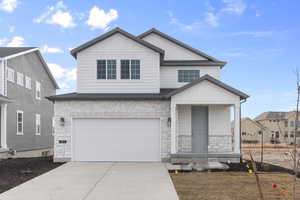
[243,101]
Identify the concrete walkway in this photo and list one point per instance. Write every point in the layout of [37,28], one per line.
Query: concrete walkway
[96,180]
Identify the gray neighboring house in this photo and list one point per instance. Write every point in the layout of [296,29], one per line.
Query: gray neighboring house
[26,115]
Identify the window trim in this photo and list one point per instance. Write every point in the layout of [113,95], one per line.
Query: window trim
[38,119]
[38,89]
[130,69]
[179,79]
[111,65]
[10,70]
[28,79]
[139,69]
[20,112]
[19,75]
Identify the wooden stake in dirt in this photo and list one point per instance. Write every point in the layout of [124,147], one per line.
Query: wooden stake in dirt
[261,196]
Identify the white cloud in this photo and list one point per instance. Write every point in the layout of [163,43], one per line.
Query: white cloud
[16,41]
[177,22]
[8,5]
[98,19]
[211,19]
[47,49]
[65,76]
[11,29]
[253,33]
[236,7]
[57,14]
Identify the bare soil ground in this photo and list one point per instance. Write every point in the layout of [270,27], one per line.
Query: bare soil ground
[13,172]
[231,186]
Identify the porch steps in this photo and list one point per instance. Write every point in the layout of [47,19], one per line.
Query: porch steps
[198,166]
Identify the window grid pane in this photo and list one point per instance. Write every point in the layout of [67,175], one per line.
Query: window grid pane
[125,73]
[111,69]
[135,69]
[188,75]
[101,69]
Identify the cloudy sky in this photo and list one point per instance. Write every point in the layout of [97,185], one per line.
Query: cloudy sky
[259,39]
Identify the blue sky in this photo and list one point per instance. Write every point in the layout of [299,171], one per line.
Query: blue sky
[258,39]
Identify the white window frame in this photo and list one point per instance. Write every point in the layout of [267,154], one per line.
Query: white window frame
[10,75]
[20,112]
[28,82]
[38,90]
[53,126]
[20,79]
[38,124]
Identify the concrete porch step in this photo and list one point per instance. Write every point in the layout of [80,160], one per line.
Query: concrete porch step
[198,166]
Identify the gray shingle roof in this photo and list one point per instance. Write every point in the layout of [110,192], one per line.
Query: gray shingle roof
[165,94]
[110,33]
[271,115]
[191,63]
[8,51]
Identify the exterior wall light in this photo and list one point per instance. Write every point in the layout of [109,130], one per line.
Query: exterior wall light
[62,121]
[169,121]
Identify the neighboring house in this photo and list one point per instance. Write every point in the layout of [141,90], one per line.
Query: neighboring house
[146,98]
[26,115]
[279,128]
[253,132]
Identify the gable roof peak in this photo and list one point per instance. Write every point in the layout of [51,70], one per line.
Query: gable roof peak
[110,33]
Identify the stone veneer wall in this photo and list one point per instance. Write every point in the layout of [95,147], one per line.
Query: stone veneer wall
[107,109]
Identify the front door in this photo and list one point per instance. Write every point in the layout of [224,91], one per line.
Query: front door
[199,129]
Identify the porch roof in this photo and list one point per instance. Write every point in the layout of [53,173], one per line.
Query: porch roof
[217,82]
[4,99]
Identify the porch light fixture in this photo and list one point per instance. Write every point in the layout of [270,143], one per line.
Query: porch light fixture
[169,121]
[62,121]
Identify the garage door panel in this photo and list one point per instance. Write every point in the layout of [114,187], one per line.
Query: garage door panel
[116,140]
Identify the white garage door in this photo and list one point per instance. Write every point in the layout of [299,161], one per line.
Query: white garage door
[116,140]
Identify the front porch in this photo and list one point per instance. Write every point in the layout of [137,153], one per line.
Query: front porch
[205,122]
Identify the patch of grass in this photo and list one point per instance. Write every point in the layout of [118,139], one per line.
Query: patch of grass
[231,186]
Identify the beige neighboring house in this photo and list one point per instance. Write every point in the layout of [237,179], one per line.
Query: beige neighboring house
[253,132]
[277,127]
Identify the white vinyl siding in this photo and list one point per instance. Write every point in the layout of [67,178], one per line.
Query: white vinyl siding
[28,82]
[118,47]
[20,121]
[38,90]
[169,75]
[20,79]
[38,124]
[10,75]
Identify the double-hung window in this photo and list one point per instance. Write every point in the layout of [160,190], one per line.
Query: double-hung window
[10,75]
[20,79]
[106,69]
[125,69]
[28,82]
[20,120]
[130,69]
[38,90]
[38,124]
[188,75]
[135,69]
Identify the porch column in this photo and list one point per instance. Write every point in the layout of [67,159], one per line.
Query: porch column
[3,125]
[173,128]
[237,128]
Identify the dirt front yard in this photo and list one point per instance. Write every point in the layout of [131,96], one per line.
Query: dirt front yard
[13,172]
[232,186]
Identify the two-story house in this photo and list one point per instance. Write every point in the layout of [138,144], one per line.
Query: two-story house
[26,115]
[146,98]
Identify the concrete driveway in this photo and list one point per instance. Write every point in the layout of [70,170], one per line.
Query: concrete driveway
[96,181]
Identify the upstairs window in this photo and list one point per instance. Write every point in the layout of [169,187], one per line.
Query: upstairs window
[111,69]
[28,82]
[38,90]
[130,69]
[125,69]
[101,69]
[20,79]
[38,124]
[188,75]
[10,75]
[20,122]
[135,69]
